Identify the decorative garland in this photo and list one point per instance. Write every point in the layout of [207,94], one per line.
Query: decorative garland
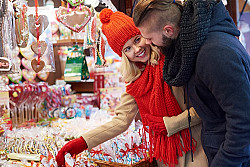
[100,61]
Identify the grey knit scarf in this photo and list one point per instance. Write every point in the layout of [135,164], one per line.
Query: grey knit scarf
[180,59]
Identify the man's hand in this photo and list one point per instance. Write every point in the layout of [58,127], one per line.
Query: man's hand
[73,147]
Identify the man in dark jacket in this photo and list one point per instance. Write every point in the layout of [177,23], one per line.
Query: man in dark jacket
[203,54]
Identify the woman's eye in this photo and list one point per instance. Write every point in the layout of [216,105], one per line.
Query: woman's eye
[127,49]
[138,39]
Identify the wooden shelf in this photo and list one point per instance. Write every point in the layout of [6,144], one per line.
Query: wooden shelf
[84,86]
[89,80]
[68,42]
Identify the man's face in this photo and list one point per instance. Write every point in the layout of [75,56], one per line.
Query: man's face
[155,37]
[152,37]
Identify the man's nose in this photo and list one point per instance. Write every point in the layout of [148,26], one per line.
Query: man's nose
[148,41]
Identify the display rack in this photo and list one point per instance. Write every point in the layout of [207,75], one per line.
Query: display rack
[68,42]
[84,86]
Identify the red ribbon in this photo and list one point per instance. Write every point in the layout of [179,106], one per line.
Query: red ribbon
[23,14]
[134,150]
[94,152]
[37,33]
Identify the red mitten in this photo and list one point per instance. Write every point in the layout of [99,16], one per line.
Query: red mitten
[73,147]
[156,124]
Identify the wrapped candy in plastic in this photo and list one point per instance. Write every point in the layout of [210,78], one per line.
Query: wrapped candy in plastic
[9,61]
[44,161]
[51,159]
[69,161]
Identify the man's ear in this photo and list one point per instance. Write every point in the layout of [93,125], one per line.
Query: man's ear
[168,31]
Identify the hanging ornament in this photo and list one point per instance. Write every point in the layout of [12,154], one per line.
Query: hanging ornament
[37,22]
[37,65]
[38,47]
[21,26]
[93,29]
[99,58]
[75,19]
[90,43]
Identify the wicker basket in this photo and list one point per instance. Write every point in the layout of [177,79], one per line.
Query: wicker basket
[142,163]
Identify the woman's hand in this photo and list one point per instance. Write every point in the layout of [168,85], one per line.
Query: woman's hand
[73,147]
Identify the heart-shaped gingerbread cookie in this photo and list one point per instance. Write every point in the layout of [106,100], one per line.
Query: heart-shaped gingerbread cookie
[42,24]
[27,52]
[43,75]
[75,19]
[35,47]
[26,63]
[37,67]
[28,75]
[15,78]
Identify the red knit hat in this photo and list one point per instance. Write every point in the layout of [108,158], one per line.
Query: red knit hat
[118,28]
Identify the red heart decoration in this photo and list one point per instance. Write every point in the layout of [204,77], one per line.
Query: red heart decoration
[75,19]
[28,75]
[42,23]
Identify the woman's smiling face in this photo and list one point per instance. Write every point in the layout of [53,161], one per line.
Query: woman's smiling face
[136,49]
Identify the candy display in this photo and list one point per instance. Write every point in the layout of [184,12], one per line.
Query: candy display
[44,53]
[41,144]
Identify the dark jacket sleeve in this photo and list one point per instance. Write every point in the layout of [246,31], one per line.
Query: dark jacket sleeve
[226,74]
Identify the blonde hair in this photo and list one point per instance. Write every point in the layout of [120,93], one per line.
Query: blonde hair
[130,71]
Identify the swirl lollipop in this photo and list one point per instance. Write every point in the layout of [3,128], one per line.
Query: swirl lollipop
[16,94]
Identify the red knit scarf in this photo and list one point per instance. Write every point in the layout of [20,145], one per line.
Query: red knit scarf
[154,96]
